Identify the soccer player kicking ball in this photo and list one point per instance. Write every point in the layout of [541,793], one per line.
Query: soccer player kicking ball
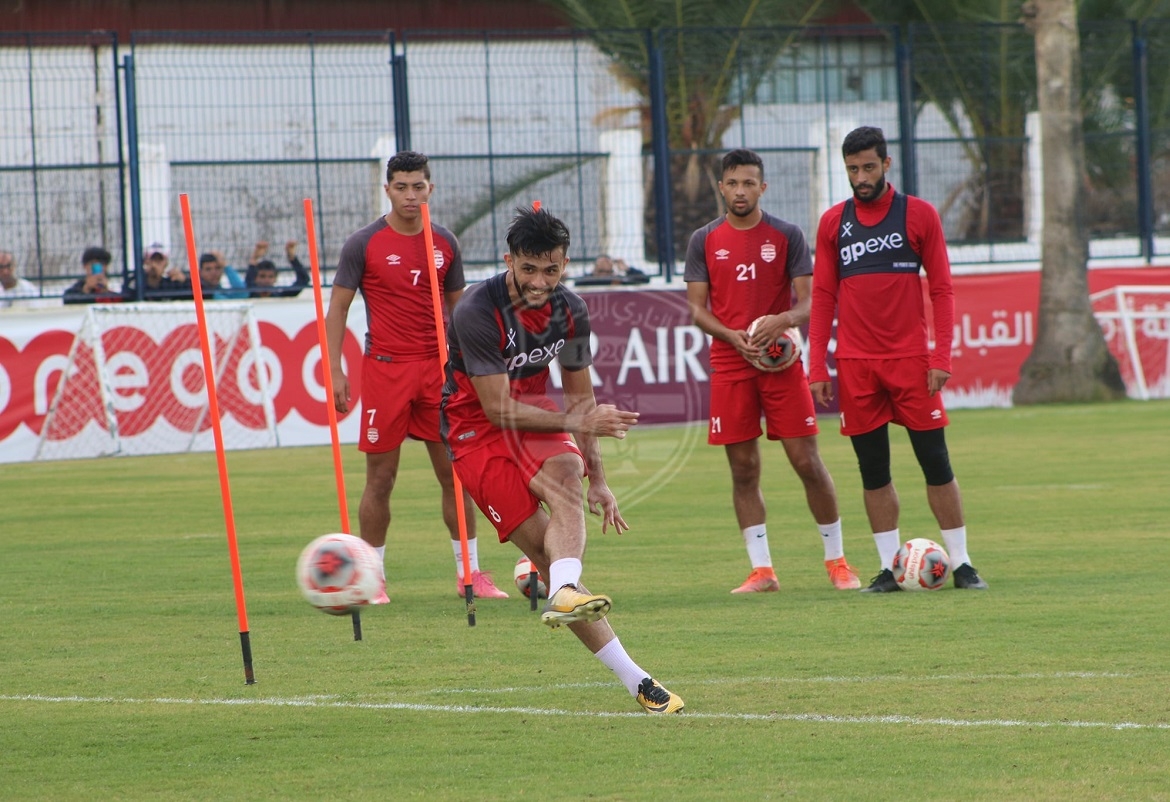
[401,376]
[870,250]
[511,445]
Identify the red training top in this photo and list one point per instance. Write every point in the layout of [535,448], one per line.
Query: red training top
[880,314]
[392,273]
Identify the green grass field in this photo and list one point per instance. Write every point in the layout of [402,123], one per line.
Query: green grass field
[121,674]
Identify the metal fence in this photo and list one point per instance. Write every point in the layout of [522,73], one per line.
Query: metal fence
[619,132]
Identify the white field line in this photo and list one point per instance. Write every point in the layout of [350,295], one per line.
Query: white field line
[317,702]
[808,680]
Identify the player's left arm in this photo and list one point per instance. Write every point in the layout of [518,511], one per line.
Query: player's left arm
[579,399]
[775,325]
[800,270]
[452,298]
[937,265]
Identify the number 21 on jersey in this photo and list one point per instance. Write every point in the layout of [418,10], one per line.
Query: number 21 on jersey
[745,272]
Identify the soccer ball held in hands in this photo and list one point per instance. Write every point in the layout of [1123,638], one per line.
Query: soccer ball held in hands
[781,353]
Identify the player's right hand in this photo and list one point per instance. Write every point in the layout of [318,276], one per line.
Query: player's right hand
[340,392]
[822,392]
[742,344]
[606,420]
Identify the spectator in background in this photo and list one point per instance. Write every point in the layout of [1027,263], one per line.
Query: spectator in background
[13,286]
[94,287]
[603,274]
[630,275]
[610,272]
[603,267]
[212,269]
[163,281]
[261,275]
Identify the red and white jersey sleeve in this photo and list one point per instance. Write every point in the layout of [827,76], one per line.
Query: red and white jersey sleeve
[393,274]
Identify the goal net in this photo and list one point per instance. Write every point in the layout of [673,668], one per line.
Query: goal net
[134,384]
[1136,322]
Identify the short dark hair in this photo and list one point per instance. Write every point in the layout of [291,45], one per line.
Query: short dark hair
[95,253]
[266,264]
[204,258]
[741,157]
[536,232]
[864,138]
[407,161]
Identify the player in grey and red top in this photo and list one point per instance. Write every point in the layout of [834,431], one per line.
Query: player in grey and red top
[511,444]
[870,250]
[740,267]
[401,375]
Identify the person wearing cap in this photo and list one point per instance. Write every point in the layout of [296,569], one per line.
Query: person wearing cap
[163,281]
[94,286]
[13,286]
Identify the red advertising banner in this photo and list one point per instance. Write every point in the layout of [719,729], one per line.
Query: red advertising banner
[648,356]
[995,329]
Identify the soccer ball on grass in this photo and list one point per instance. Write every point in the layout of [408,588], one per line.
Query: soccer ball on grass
[921,564]
[520,576]
[338,573]
[782,353]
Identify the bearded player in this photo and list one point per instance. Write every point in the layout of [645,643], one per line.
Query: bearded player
[401,376]
[522,458]
[870,251]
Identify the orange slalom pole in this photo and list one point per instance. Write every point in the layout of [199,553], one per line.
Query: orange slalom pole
[325,364]
[327,373]
[441,337]
[225,488]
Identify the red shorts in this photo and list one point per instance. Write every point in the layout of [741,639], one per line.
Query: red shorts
[739,399]
[873,392]
[399,399]
[496,473]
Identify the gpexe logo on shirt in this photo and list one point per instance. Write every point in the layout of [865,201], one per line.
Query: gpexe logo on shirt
[537,356]
[856,250]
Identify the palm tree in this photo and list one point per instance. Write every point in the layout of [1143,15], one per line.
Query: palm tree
[1069,361]
[712,50]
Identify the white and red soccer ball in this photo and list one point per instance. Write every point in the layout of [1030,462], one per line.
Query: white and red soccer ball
[339,573]
[521,576]
[921,564]
[782,353]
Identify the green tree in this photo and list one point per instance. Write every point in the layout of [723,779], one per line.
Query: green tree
[975,63]
[1069,361]
[712,51]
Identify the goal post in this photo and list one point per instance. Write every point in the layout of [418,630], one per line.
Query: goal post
[133,383]
[1136,322]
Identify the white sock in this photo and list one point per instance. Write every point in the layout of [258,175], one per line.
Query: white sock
[888,544]
[956,542]
[472,556]
[565,571]
[756,540]
[831,535]
[381,560]
[616,660]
